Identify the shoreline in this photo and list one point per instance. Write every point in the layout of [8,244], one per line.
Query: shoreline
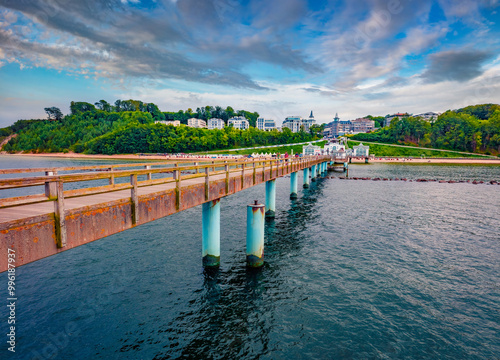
[396,160]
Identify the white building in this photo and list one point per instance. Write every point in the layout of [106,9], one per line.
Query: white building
[296,123]
[266,124]
[429,116]
[239,122]
[361,150]
[166,122]
[307,123]
[389,118]
[197,123]
[293,123]
[333,147]
[215,123]
[310,149]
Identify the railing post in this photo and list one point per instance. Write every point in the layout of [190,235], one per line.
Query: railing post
[213,167]
[254,172]
[177,178]
[263,170]
[207,183]
[51,186]
[135,199]
[59,216]
[196,164]
[226,169]
[148,176]
[271,171]
[112,176]
[242,175]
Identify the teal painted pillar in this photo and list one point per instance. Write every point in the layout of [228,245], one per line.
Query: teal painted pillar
[211,233]
[255,235]
[313,173]
[306,178]
[293,185]
[270,198]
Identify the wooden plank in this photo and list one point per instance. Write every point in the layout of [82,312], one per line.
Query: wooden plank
[23,200]
[95,190]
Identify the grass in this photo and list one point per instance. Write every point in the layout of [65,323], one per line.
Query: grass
[396,151]
[282,149]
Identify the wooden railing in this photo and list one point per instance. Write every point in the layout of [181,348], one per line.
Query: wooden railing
[54,184]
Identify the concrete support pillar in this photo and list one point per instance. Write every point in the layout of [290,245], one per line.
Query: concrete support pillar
[255,235]
[211,233]
[306,178]
[270,198]
[293,185]
[313,173]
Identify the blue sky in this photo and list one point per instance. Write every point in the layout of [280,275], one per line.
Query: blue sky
[280,58]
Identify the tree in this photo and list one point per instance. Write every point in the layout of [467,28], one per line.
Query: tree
[103,105]
[54,113]
[79,107]
[317,130]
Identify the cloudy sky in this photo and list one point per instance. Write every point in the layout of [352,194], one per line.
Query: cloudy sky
[277,57]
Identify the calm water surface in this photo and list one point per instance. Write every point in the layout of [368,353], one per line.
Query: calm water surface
[354,270]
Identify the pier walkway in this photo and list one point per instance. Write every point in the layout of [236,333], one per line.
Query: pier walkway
[40,225]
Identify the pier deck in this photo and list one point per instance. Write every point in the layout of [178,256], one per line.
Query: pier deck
[41,225]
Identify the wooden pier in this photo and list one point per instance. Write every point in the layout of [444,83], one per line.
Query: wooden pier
[40,225]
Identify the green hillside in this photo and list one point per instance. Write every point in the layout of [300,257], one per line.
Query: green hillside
[471,129]
[129,127]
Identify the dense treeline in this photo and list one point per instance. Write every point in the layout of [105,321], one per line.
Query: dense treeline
[158,138]
[473,129]
[204,113]
[128,127]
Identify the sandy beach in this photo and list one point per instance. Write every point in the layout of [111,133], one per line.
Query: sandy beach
[189,157]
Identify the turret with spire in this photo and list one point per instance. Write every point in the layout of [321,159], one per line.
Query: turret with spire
[311,116]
